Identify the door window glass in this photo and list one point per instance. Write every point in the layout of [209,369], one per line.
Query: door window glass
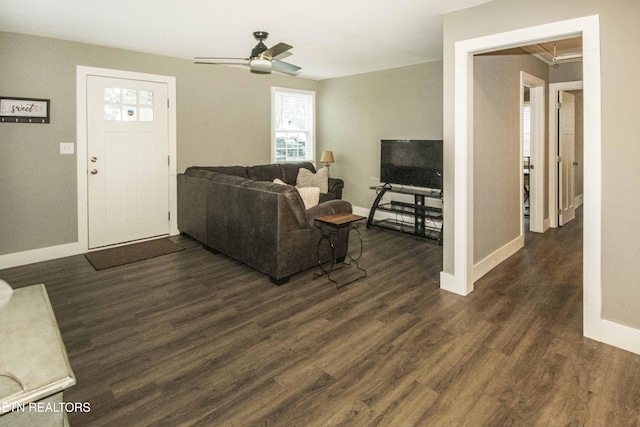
[128,105]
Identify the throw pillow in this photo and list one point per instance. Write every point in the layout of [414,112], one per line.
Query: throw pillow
[310,196]
[306,178]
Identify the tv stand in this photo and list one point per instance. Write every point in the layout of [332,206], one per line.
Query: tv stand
[427,220]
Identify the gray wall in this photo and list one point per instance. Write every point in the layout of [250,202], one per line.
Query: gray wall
[223,118]
[356,112]
[566,72]
[497,162]
[620,61]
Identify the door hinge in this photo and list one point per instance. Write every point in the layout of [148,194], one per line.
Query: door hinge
[169,160]
[169,215]
[559,159]
[168,101]
[559,212]
[559,106]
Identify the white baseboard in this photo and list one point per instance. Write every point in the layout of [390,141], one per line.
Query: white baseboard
[491,261]
[578,201]
[38,255]
[617,335]
[546,224]
[361,211]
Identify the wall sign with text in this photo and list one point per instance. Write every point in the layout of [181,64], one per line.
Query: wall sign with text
[24,110]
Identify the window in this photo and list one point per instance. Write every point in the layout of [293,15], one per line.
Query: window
[292,125]
[128,105]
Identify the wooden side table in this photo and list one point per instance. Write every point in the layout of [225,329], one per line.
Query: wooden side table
[331,225]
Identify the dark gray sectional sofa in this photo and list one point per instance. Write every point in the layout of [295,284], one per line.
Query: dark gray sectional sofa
[240,212]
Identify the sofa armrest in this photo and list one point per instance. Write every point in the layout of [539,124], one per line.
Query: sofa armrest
[335,186]
[330,207]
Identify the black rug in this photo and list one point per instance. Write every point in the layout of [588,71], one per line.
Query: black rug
[127,254]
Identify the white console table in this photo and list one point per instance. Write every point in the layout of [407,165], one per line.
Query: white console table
[34,367]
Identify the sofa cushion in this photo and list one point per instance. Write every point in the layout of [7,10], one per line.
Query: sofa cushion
[263,172]
[320,179]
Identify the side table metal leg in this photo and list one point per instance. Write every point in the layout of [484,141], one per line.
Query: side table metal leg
[324,271]
[354,260]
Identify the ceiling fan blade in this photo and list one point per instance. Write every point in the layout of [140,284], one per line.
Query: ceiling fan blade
[216,58]
[276,50]
[221,63]
[568,56]
[284,67]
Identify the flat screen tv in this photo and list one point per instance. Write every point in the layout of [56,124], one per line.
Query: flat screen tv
[411,162]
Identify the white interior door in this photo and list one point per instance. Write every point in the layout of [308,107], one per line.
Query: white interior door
[128,152]
[567,161]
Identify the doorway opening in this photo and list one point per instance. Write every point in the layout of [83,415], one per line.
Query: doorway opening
[525,112]
[463,185]
[532,143]
[555,161]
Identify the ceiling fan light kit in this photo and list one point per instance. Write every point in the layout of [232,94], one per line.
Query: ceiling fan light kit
[260,65]
[262,59]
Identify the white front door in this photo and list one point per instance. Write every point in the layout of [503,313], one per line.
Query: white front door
[127,160]
[566,165]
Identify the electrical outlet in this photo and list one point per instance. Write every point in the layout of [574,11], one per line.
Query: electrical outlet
[67,147]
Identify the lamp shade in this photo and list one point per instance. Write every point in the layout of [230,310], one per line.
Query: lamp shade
[327,157]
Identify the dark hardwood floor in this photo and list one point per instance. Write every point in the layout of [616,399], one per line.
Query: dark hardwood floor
[195,338]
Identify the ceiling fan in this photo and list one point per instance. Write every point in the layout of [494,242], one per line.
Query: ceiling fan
[262,59]
[564,57]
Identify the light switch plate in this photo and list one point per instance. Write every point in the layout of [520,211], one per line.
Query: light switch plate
[67,148]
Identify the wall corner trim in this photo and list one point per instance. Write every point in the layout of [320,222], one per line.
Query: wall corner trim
[448,283]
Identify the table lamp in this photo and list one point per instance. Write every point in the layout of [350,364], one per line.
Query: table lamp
[327,158]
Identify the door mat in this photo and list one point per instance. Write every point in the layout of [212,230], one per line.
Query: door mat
[127,254]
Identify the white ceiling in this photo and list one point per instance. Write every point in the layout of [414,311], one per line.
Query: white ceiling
[330,38]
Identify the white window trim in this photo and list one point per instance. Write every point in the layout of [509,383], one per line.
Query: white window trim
[275,89]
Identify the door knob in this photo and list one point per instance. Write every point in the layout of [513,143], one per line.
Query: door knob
[94,171]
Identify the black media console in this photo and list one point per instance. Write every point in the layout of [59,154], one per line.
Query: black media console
[416,218]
